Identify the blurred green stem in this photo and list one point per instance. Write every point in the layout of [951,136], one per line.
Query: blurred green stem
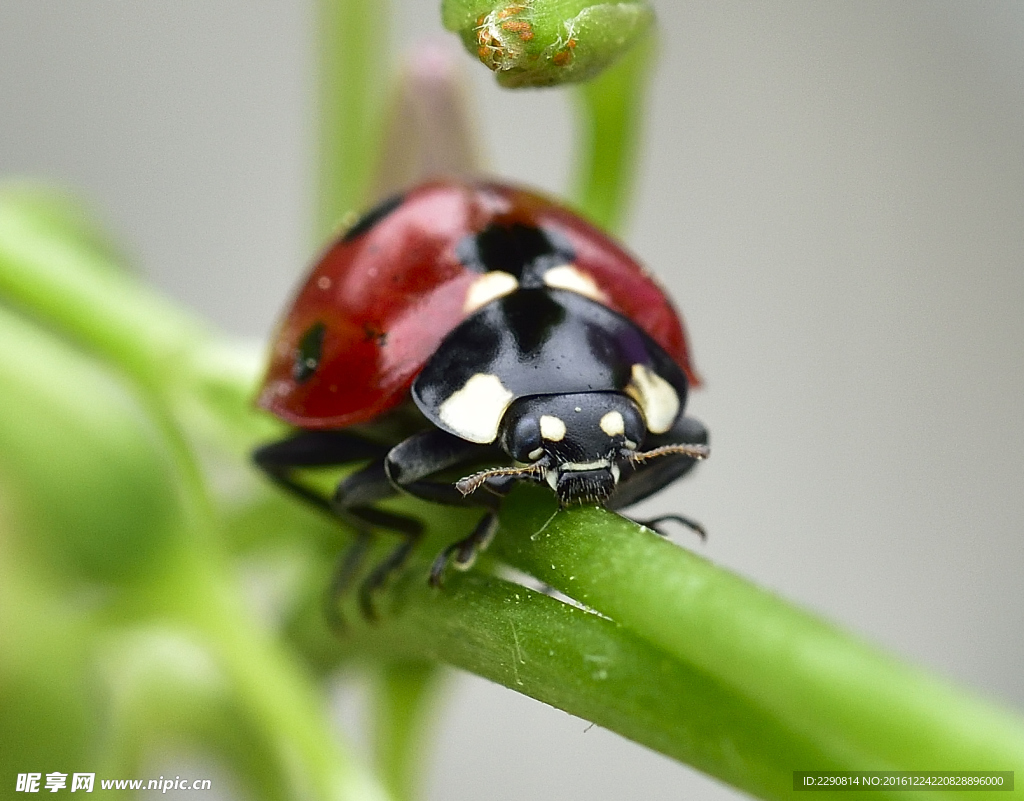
[108,506]
[610,117]
[85,295]
[404,692]
[275,695]
[354,70]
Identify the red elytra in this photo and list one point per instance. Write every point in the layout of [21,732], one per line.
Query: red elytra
[389,295]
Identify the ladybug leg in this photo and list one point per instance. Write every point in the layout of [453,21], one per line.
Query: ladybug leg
[353,499]
[406,468]
[409,465]
[351,502]
[341,582]
[280,459]
[655,524]
[465,550]
[645,478]
[414,460]
[379,576]
[355,496]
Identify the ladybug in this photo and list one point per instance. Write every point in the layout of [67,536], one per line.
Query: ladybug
[469,326]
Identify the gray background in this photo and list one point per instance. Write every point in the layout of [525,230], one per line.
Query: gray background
[833,192]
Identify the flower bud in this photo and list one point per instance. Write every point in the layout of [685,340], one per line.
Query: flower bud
[547,42]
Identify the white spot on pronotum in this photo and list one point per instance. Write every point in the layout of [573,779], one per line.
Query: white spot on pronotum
[323,282]
[552,428]
[475,411]
[612,424]
[656,397]
[488,287]
[566,276]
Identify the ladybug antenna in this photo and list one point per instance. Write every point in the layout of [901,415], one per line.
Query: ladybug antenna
[693,451]
[472,483]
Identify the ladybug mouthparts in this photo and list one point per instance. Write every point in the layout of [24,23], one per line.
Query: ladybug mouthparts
[576,486]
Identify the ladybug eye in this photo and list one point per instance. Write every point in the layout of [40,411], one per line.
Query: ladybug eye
[522,439]
[308,352]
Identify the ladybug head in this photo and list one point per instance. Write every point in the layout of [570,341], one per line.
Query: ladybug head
[575,443]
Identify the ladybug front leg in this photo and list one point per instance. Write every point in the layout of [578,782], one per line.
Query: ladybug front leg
[352,501]
[466,550]
[410,466]
[279,460]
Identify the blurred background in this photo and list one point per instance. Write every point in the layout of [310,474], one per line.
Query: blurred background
[833,193]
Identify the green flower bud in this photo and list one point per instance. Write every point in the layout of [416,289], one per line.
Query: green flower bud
[547,42]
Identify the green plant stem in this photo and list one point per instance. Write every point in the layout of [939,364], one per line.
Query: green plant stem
[403,694]
[354,70]
[868,709]
[83,294]
[591,667]
[87,296]
[276,697]
[609,114]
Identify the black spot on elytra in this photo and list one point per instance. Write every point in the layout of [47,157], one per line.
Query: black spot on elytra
[308,352]
[372,217]
[524,251]
[370,333]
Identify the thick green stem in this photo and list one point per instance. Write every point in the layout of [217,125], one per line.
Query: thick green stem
[592,667]
[869,710]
